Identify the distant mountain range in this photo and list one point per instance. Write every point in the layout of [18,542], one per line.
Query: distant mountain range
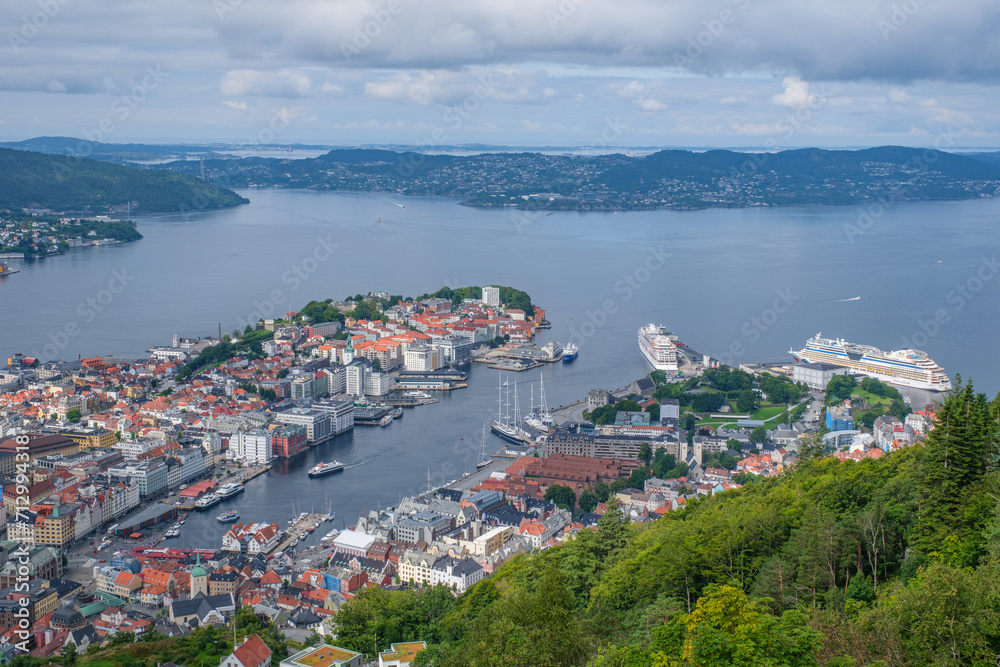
[666,179]
[65,183]
[678,179]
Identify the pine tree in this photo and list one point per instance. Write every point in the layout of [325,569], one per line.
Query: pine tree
[960,449]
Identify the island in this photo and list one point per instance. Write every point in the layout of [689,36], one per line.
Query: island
[25,235]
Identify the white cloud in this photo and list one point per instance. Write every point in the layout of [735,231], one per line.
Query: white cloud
[282,83]
[899,96]
[531,125]
[796,94]
[647,104]
[238,106]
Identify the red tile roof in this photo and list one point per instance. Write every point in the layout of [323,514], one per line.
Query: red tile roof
[253,652]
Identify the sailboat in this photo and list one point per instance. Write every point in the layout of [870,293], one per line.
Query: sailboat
[483,461]
[510,431]
[541,420]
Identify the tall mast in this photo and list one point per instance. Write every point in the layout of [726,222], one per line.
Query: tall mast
[517,412]
[506,417]
[499,397]
[545,408]
[482,445]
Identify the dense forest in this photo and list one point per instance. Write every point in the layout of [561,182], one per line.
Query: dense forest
[67,183]
[889,562]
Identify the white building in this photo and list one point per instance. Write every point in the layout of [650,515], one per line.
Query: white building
[341,415]
[356,374]
[251,446]
[378,384]
[456,573]
[420,358]
[23,532]
[816,376]
[491,296]
[336,377]
[302,387]
[317,422]
[132,449]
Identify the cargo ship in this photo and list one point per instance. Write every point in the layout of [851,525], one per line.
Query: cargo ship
[906,368]
[323,469]
[659,346]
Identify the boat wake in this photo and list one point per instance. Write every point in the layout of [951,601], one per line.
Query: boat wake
[853,298]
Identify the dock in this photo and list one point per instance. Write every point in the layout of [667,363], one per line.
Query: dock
[514,365]
[310,521]
[407,401]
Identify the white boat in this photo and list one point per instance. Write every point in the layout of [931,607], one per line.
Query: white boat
[230,489]
[323,469]
[503,426]
[659,346]
[483,461]
[906,368]
[210,500]
[541,419]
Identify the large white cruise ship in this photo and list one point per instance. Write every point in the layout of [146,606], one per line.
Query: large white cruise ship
[659,346]
[907,368]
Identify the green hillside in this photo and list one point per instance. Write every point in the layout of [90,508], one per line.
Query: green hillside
[64,183]
[885,562]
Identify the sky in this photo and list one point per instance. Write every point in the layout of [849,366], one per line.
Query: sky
[600,74]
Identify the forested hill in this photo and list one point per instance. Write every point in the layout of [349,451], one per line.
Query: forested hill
[665,179]
[65,183]
[886,562]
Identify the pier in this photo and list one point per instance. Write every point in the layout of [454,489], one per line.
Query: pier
[309,523]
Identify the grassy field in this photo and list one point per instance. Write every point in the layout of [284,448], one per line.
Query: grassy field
[762,413]
[872,399]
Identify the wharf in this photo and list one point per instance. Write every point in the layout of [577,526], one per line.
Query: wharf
[407,401]
[429,385]
[513,365]
[246,474]
[309,522]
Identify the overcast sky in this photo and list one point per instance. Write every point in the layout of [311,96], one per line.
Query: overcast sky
[520,72]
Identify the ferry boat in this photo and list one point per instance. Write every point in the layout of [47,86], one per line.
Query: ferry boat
[659,346]
[906,368]
[570,352]
[322,469]
[229,490]
[210,500]
[226,517]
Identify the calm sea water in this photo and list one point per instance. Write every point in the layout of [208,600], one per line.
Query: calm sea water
[741,285]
